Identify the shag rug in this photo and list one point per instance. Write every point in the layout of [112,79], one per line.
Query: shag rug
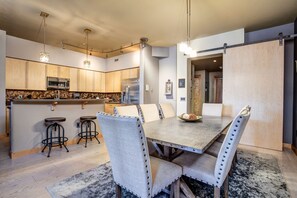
[255,175]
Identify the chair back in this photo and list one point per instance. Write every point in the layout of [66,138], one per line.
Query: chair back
[166,110]
[212,109]
[229,146]
[149,112]
[127,110]
[127,148]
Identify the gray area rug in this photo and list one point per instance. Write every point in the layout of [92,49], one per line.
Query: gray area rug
[255,175]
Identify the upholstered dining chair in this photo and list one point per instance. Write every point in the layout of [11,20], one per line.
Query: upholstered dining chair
[149,112]
[214,149]
[132,167]
[209,169]
[212,109]
[166,110]
[130,110]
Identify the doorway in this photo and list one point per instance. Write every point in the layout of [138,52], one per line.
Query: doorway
[206,81]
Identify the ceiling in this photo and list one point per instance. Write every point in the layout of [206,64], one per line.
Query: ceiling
[118,23]
[208,63]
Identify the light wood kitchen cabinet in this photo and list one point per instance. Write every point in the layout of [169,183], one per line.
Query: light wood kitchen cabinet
[113,81]
[109,82]
[81,80]
[130,73]
[102,82]
[36,76]
[99,82]
[15,74]
[117,81]
[125,74]
[89,81]
[73,79]
[57,71]
[52,71]
[108,108]
[64,72]
[134,73]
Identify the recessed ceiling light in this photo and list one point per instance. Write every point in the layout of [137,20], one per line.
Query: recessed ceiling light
[214,60]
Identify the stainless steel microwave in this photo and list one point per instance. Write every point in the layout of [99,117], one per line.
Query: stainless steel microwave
[58,83]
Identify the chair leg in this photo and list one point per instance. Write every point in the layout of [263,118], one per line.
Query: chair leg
[118,191]
[216,192]
[172,190]
[235,157]
[177,189]
[226,187]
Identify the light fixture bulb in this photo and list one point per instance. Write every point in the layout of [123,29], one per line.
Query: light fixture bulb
[183,47]
[188,50]
[44,57]
[87,63]
[193,53]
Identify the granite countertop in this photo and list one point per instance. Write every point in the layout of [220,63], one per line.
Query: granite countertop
[58,101]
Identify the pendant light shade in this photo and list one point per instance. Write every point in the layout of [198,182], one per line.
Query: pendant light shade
[87,62]
[44,56]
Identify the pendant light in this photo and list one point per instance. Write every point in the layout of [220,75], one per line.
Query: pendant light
[87,62]
[185,47]
[44,56]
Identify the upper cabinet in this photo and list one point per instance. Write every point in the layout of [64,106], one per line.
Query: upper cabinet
[134,73]
[29,75]
[130,73]
[57,71]
[36,76]
[21,74]
[15,74]
[99,82]
[73,75]
[113,81]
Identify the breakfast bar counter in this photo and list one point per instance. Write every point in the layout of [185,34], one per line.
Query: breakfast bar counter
[27,121]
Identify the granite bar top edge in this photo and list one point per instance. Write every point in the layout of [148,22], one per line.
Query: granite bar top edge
[59,101]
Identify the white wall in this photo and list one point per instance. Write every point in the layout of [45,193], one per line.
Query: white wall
[167,70]
[183,63]
[150,76]
[2,81]
[29,50]
[123,61]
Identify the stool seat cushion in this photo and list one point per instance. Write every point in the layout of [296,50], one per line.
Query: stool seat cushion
[55,119]
[88,118]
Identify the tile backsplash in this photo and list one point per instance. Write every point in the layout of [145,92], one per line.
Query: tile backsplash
[64,94]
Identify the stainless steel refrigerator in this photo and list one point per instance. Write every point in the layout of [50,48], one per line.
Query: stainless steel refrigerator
[130,91]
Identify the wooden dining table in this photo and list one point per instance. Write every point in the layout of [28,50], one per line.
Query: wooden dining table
[193,137]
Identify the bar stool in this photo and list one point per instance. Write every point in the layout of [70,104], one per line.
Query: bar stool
[52,141]
[87,133]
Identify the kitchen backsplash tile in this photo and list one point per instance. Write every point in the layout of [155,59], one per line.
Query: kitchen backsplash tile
[64,94]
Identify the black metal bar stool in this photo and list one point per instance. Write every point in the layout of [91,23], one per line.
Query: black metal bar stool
[56,140]
[86,131]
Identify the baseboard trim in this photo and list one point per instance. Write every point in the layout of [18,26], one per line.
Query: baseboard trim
[288,146]
[15,155]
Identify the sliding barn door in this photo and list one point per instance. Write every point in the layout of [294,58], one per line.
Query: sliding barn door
[254,75]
